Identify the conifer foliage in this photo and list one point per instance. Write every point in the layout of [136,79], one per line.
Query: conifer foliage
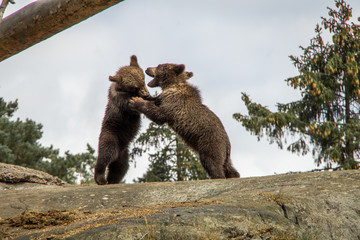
[19,145]
[325,121]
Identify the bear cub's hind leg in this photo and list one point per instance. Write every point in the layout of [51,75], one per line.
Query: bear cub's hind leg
[108,152]
[213,168]
[118,168]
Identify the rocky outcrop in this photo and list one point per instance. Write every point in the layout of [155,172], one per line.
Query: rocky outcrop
[17,177]
[322,205]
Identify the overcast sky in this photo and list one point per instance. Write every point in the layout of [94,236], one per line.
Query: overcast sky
[231,46]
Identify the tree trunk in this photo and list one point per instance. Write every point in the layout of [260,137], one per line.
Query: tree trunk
[178,161]
[43,19]
[348,161]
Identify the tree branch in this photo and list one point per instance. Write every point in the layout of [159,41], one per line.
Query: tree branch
[3,7]
[43,19]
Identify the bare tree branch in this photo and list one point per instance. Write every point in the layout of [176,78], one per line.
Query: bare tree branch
[43,19]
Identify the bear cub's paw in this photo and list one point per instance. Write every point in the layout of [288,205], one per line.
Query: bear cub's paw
[135,103]
[100,179]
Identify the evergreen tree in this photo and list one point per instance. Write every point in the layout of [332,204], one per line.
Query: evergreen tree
[72,167]
[326,120]
[19,140]
[19,145]
[172,160]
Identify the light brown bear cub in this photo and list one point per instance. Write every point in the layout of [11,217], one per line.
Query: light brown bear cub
[180,106]
[120,123]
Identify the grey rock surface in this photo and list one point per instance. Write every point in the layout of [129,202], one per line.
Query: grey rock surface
[321,205]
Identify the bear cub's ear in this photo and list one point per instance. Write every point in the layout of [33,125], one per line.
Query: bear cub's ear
[178,69]
[133,61]
[115,79]
[189,75]
[112,78]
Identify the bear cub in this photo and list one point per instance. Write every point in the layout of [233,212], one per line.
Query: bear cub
[120,124]
[180,106]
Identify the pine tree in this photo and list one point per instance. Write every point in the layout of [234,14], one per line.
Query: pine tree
[73,167]
[19,139]
[325,121]
[172,159]
[19,145]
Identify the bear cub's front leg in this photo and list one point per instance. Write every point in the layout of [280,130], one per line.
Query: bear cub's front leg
[150,109]
[137,104]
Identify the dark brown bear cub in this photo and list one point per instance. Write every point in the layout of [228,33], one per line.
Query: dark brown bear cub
[182,109]
[120,123]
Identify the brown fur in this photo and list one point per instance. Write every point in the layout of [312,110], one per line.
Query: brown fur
[120,123]
[182,109]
